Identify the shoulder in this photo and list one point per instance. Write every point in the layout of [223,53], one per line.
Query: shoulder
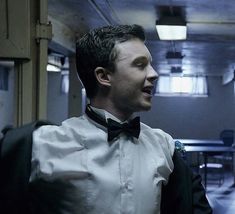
[55,147]
[70,128]
[159,136]
[57,137]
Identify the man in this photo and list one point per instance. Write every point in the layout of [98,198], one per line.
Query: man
[106,161]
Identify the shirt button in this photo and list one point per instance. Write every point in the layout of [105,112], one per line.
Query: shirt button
[124,188]
[128,186]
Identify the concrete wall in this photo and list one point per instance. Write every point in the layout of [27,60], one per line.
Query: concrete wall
[194,117]
[57,102]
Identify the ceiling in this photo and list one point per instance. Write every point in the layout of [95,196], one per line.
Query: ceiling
[210,45]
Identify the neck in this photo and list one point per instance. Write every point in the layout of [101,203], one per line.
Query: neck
[109,107]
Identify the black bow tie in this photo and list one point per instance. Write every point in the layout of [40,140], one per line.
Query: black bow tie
[114,128]
[132,128]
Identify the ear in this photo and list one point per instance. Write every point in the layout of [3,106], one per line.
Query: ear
[103,76]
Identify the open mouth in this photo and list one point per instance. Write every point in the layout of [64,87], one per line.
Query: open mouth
[148,90]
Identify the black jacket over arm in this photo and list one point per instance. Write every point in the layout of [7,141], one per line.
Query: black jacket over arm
[183,194]
[15,168]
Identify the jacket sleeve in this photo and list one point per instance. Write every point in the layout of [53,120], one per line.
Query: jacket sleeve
[184,193]
[200,202]
[15,167]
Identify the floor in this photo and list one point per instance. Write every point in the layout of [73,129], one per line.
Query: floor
[222,198]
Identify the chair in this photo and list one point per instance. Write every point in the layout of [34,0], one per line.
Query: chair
[227,136]
[217,161]
[214,170]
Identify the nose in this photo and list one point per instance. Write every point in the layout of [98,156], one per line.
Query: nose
[152,74]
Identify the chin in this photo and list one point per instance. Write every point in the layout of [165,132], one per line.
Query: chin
[142,105]
[146,107]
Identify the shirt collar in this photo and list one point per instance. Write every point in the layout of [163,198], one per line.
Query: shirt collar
[105,114]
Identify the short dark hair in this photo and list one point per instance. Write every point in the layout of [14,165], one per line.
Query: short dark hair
[95,49]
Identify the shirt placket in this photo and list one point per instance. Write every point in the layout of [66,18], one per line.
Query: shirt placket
[127,206]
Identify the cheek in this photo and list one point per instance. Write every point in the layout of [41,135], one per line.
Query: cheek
[131,93]
[130,84]
[125,90]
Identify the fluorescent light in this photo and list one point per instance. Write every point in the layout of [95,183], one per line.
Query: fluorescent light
[170,32]
[53,68]
[171,28]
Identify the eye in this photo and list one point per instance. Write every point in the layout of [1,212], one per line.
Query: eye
[141,64]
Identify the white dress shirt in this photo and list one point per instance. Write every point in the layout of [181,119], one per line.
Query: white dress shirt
[75,170]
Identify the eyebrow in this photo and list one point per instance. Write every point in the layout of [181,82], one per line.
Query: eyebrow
[149,59]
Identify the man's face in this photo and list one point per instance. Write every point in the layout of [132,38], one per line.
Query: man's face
[132,80]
